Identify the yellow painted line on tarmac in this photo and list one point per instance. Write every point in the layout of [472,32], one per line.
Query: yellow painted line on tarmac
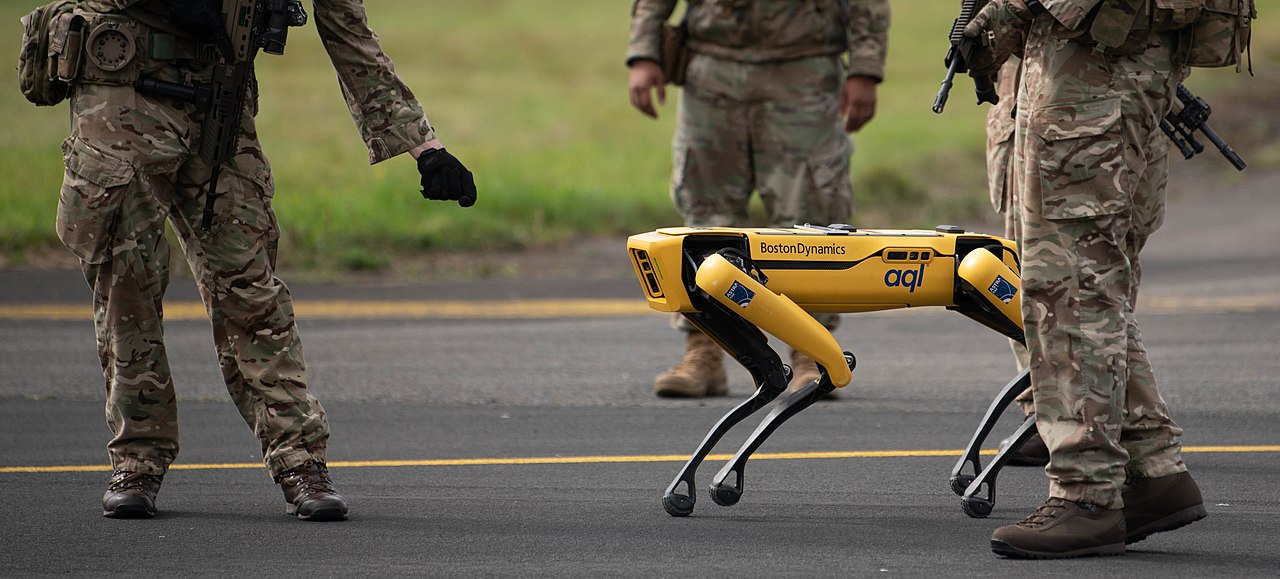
[598,459]
[544,309]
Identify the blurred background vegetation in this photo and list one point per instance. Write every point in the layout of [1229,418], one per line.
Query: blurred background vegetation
[531,95]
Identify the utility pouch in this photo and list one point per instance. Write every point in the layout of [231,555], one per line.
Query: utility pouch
[1220,36]
[1120,27]
[38,67]
[114,49]
[675,52]
[66,47]
[1170,15]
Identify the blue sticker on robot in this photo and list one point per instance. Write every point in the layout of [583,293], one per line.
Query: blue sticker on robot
[740,294]
[1002,289]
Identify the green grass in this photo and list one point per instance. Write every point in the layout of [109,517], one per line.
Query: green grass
[531,94]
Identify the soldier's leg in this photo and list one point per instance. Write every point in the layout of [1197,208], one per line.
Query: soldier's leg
[251,310]
[711,179]
[127,287]
[108,216]
[1075,184]
[711,185]
[1149,434]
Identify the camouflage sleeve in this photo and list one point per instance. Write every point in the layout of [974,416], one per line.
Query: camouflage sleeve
[647,18]
[868,37]
[390,119]
[1069,12]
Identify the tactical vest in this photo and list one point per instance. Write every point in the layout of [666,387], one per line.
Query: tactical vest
[1210,33]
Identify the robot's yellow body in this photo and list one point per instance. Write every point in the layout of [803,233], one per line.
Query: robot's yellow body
[733,283]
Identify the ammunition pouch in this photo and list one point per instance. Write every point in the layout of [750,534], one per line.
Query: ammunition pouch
[1220,36]
[675,52]
[49,53]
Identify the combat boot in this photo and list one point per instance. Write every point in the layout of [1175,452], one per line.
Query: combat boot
[1033,452]
[309,493]
[1060,529]
[700,373]
[803,372]
[1155,505]
[131,495]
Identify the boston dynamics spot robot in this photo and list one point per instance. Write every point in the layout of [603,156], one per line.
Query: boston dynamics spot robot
[736,284]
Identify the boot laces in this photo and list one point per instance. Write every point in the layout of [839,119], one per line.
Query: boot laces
[309,479]
[124,480]
[1045,513]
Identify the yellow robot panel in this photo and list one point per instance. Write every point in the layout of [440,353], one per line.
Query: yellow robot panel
[857,272]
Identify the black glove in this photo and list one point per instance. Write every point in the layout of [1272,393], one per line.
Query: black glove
[444,178]
[1000,28]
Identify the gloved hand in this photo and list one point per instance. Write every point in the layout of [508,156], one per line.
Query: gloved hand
[1001,30]
[444,178]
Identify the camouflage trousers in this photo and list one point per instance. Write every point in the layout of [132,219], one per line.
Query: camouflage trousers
[1002,183]
[130,166]
[1093,172]
[772,128]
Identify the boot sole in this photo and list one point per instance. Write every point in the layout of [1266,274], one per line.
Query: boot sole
[318,515]
[1175,521]
[681,393]
[1006,550]
[129,512]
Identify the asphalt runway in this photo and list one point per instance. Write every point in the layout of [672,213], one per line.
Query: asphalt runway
[483,443]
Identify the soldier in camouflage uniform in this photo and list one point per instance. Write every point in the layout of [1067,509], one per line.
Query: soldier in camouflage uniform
[131,164]
[1002,183]
[766,106]
[1092,166]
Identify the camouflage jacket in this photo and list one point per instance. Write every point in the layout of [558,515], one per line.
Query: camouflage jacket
[771,30]
[390,118]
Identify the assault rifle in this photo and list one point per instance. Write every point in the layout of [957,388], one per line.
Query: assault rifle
[1181,128]
[250,25]
[962,51]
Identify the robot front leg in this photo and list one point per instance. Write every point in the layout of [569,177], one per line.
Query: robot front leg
[746,343]
[728,494]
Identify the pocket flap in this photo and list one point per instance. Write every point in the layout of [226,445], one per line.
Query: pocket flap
[1075,120]
[96,166]
[1236,7]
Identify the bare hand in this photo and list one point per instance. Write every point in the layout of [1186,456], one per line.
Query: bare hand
[646,76]
[857,102]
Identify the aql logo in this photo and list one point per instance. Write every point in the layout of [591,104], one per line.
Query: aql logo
[907,278]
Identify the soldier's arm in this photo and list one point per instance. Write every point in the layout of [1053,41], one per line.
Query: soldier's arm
[1069,12]
[647,18]
[390,118]
[868,36]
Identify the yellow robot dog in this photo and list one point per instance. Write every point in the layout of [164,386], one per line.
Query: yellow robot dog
[735,284]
